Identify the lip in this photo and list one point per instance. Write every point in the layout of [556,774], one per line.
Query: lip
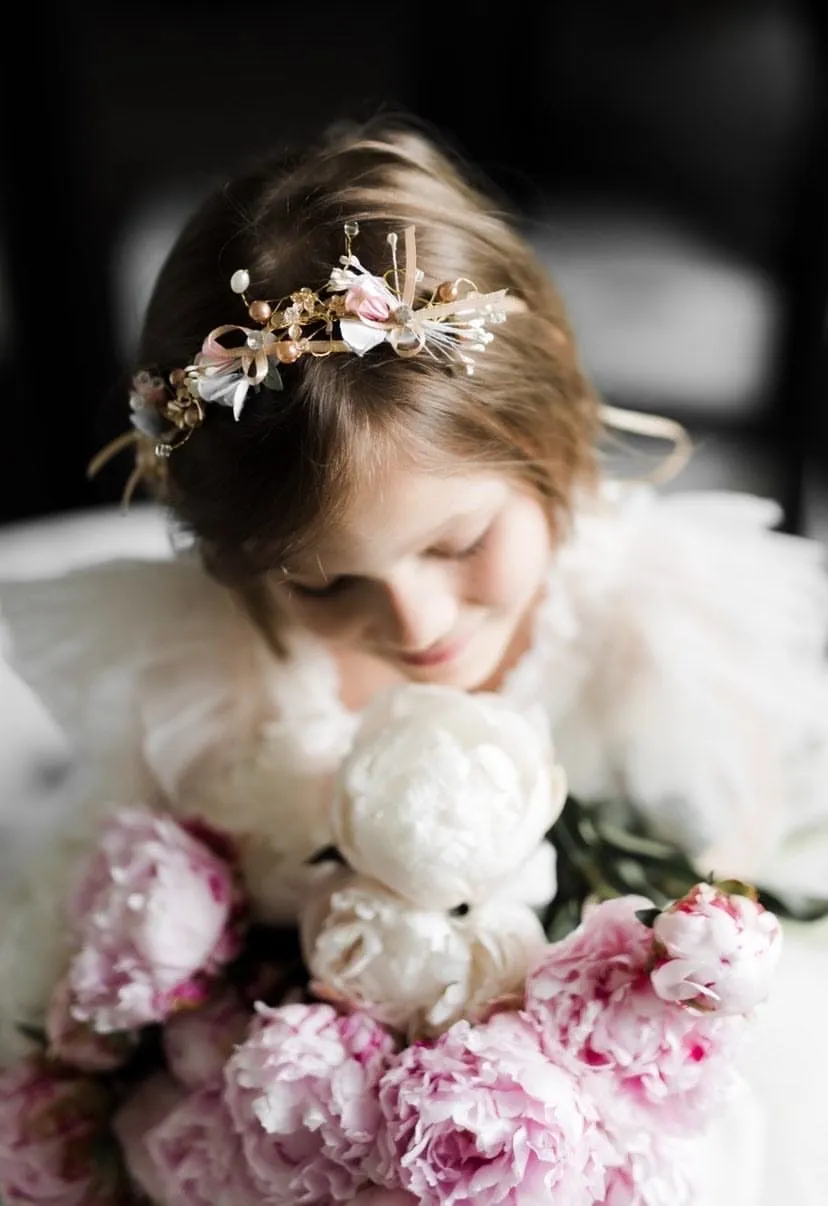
[437,655]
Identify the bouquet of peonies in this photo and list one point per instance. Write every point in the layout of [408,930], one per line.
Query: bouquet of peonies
[418,1038]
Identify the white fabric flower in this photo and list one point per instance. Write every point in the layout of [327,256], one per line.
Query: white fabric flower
[444,795]
[414,969]
[228,386]
[360,338]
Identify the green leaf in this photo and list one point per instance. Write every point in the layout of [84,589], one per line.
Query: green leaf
[597,859]
[637,844]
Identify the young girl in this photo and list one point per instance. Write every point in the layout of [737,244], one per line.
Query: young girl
[359,397]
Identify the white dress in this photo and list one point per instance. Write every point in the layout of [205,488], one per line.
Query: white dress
[680,656]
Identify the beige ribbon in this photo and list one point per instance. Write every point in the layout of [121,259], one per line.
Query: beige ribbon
[218,356]
[655,427]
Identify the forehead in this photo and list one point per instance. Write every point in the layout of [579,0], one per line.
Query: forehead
[401,512]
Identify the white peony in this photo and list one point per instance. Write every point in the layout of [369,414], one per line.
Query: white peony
[535,883]
[445,795]
[413,969]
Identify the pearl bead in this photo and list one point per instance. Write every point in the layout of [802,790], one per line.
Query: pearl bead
[177,377]
[448,291]
[240,280]
[294,331]
[260,311]
[288,351]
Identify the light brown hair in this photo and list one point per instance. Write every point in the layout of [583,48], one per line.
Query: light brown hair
[254,491]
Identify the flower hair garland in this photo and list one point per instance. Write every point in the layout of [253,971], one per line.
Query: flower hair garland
[355,312]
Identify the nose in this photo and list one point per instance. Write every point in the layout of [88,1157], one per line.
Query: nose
[421,607]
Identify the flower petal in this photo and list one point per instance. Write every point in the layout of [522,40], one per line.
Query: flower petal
[359,338]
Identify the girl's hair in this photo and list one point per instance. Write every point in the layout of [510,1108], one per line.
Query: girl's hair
[252,492]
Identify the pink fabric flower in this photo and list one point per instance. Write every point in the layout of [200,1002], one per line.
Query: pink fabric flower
[77,1043]
[716,950]
[481,1115]
[591,998]
[150,1104]
[302,1094]
[197,1155]
[198,1042]
[157,916]
[51,1126]
[368,299]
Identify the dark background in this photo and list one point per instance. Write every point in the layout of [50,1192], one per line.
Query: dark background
[668,159]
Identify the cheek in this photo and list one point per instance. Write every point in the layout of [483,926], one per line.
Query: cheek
[512,569]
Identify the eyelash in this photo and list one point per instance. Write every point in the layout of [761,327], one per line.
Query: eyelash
[321,592]
[464,554]
[338,585]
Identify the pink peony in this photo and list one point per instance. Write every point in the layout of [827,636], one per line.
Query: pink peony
[716,950]
[198,1158]
[649,1167]
[77,1044]
[302,1094]
[653,1170]
[198,1042]
[369,299]
[156,914]
[51,1129]
[591,998]
[152,1101]
[482,1115]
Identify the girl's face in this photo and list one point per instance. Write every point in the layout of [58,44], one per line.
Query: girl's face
[435,575]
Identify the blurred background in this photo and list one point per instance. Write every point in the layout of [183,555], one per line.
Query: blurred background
[666,157]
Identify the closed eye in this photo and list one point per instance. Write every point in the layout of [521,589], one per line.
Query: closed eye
[338,586]
[329,590]
[469,551]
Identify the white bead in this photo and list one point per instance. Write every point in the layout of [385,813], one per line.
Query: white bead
[240,280]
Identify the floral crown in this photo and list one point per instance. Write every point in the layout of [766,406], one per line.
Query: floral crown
[354,312]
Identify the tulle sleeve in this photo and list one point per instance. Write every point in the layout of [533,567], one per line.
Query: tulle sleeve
[685,670]
[142,664]
[168,697]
